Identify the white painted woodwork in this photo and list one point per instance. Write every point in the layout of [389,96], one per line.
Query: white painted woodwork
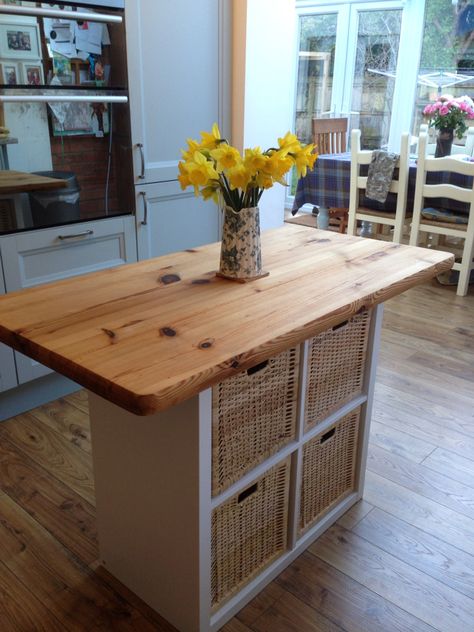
[262,95]
[154,506]
[406,73]
[178,79]
[8,377]
[41,256]
[169,219]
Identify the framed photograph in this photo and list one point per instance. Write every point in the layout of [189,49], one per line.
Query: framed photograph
[32,74]
[10,73]
[19,41]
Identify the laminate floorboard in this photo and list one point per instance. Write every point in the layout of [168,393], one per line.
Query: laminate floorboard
[401,560]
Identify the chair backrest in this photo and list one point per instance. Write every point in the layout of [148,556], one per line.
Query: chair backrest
[427,164]
[462,191]
[329,135]
[399,186]
[364,157]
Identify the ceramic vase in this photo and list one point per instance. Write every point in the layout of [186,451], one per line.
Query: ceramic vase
[241,253]
[444,142]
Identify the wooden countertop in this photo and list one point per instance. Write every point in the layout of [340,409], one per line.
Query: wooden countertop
[150,334]
[19,182]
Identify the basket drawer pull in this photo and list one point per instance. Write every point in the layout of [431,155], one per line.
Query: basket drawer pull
[247,492]
[340,325]
[257,367]
[327,435]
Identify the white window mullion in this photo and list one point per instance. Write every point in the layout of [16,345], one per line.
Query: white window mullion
[407,70]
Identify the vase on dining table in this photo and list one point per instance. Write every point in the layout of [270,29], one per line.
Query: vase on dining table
[444,142]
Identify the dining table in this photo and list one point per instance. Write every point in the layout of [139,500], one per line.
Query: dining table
[327,185]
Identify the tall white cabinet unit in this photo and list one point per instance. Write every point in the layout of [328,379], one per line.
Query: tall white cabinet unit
[178,66]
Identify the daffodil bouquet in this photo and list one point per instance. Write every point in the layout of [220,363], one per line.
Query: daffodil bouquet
[218,171]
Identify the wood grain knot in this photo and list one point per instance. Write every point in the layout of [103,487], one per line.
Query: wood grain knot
[168,331]
[205,344]
[235,363]
[200,281]
[166,279]
[109,332]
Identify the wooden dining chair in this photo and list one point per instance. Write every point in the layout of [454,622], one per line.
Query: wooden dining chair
[329,137]
[358,183]
[445,222]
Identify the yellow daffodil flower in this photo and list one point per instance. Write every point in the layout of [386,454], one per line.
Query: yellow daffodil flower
[210,192]
[264,180]
[225,156]
[183,177]
[289,143]
[304,159]
[212,140]
[217,170]
[193,146]
[278,164]
[239,177]
[254,160]
[200,171]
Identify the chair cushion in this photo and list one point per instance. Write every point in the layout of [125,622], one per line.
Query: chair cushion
[444,215]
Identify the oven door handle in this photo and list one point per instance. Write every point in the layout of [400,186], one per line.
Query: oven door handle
[82,16]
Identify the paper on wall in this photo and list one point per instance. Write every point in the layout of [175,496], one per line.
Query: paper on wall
[67,49]
[89,37]
[84,44]
[59,32]
[105,35]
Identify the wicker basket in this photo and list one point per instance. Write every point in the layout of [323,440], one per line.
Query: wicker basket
[329,461]
[249,531]
[253,416]
[336,362]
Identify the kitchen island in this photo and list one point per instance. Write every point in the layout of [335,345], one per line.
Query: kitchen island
[229,421]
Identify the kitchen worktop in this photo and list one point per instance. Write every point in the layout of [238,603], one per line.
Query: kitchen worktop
[21,182]
[151,334]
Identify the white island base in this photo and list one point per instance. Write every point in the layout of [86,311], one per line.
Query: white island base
[153,481]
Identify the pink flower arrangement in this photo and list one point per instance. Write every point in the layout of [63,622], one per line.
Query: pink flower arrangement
[448,113]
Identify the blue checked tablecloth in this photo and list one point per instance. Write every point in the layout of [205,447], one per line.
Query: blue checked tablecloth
[328,183]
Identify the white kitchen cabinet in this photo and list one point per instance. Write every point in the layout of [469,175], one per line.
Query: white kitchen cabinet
[169,219]
[8,377]
[179,78]
[49,254]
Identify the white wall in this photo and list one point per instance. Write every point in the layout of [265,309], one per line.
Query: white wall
[263,76]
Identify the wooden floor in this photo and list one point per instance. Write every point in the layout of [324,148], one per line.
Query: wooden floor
[402,559]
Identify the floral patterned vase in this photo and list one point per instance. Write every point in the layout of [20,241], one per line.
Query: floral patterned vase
[241,254]
[444,142]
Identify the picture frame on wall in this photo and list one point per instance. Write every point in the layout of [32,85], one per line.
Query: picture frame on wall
[10,73]
[19,41]
[32,73]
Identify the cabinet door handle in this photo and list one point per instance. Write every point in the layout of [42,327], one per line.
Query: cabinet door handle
[83,234]
[144,221]
[142,159]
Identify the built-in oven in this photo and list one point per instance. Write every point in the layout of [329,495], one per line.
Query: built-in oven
[65,142]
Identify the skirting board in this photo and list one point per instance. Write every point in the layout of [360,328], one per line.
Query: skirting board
[35,393]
